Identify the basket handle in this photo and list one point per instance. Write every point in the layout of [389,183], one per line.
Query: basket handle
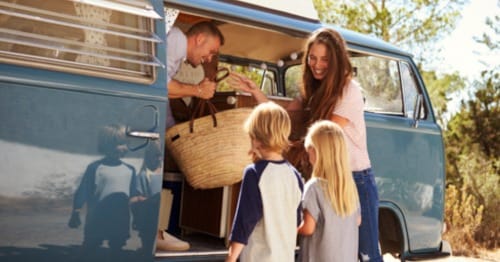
[198,111]
[221,74]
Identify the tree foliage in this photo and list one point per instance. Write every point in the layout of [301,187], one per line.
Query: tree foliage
[414,24]
[398,22]
[441,88]
[473,146]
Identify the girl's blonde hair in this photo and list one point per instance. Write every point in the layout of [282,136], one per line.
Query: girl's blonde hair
[332,166]
[269,124]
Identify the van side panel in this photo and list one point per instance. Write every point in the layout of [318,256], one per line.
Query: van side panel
[408,164]
[49,136]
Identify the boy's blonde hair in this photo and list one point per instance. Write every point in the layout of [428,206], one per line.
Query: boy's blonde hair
[269,124]
[112,141]
[332,166]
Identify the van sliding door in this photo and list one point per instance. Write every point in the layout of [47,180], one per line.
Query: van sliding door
[82,99]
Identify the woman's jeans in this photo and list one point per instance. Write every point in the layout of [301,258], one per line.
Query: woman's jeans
[368,230]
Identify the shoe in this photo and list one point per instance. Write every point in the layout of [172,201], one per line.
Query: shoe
[167,242]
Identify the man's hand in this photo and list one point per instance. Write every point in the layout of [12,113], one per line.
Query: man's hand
[206,89]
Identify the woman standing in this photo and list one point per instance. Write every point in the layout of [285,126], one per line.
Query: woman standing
[330,93]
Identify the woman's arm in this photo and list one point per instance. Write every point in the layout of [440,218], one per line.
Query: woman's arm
[308,225]
[243,83]
[341,121]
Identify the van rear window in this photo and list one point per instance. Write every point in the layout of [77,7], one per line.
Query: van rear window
[112,39]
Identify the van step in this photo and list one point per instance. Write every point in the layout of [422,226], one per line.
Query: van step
[191,255]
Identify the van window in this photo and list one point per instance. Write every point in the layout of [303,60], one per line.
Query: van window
[379,78]
[410,91]
[293,80]
[101,38]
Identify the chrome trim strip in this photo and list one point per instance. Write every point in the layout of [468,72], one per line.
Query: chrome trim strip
[67,42]
[80,88]
[191,254]
[66,62]
[153,38]
[74,18]
[151,62]
[147,10]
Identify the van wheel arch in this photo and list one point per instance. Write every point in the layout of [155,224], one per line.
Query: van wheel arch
[393,237]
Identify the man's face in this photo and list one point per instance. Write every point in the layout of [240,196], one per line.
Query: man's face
[206,46]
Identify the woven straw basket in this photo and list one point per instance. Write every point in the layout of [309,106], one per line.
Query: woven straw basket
[215,153]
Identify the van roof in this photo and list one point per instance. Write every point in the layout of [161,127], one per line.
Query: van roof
[285,20]
[301,8]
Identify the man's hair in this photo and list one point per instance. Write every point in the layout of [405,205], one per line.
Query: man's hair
[207,27]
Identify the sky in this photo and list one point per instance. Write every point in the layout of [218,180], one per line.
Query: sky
[463,54]
[460,51]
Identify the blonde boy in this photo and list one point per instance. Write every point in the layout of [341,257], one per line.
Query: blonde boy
[269,209]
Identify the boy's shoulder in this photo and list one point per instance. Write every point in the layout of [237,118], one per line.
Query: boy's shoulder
[106,162]
[260,165]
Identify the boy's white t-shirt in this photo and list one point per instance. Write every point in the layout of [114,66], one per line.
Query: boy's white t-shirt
[269,212]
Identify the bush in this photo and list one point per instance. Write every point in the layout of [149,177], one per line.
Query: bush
[462,217]
[471,210]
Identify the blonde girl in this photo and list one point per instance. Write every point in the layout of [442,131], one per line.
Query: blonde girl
[330,200]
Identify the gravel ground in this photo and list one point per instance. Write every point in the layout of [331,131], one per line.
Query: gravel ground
[492,256]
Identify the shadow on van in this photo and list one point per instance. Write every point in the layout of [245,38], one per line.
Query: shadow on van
[47,252]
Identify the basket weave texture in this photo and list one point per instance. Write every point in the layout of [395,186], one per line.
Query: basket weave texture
[211,156]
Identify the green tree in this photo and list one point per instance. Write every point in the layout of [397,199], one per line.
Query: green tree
[473,145]
[414,24]
[441,88]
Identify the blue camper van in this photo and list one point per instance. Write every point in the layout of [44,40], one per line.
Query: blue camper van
[83,97]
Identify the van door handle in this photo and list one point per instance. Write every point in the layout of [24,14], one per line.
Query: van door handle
[141,134]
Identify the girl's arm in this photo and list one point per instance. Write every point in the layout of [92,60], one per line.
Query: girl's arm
[234,251]
[308,224]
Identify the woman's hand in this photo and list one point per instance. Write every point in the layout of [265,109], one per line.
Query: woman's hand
[241,82]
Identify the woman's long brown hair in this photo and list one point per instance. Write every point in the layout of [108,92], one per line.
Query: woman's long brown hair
[321,96]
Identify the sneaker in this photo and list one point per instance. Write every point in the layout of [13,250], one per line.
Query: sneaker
[167,242]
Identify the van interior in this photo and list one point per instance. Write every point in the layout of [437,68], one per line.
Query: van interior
[272,57]
[203,217]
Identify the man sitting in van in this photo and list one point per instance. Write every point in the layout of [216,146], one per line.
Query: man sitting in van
[198,46]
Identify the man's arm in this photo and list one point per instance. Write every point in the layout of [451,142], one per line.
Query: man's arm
[205,89]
